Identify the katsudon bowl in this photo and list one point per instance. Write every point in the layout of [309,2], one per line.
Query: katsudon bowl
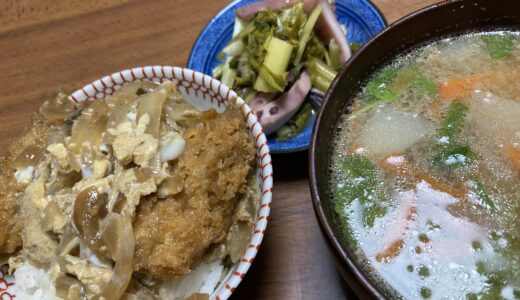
[433,23]
[218,280]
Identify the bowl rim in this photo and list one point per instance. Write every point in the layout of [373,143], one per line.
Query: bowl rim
[346,257]
[213,90]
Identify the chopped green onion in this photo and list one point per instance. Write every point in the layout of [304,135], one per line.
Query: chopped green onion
[499,46]
[482,194]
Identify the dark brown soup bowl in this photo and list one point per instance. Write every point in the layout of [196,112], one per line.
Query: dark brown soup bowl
[422,27]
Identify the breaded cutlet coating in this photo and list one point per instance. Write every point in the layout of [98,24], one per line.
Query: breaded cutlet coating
[173,234]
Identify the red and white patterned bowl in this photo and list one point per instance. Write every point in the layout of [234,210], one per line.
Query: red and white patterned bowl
[203,92]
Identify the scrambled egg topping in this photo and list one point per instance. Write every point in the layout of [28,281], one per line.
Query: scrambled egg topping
[141,171]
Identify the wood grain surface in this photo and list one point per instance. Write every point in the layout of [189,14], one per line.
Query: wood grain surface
[48,45]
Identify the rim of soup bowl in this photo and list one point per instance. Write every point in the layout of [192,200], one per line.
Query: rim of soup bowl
[359,280]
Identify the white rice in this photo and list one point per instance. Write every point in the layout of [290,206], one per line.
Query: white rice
[204,279]
[33,283]
[36,284]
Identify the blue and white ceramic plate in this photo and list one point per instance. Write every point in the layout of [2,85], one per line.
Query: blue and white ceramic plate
[362,19]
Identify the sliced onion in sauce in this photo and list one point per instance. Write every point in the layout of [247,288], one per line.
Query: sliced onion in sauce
[144,174]
[58,134]
[136,290]
[178,110]
[124,101]
[90,126]
[51,212]
[130,91]
[68,242]
[57,108]
[198,296]
[119,110]
[119,204]
[64,181]
[152,104]
[170,186]
[68,288]
[89,208]
[118,235]
[239,236]
[30,156]
[73,162]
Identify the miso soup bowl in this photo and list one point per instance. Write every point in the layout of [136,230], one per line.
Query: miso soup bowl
[203,92]
[417,29]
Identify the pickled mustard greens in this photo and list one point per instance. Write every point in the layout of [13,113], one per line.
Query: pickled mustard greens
[426,171]
[273,44]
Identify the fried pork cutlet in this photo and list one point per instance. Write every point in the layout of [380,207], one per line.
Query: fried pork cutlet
[23,150]
[172,234]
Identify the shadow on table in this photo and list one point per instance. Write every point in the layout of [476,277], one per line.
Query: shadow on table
[291,166]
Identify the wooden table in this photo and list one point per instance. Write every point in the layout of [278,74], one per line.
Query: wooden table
[48,45]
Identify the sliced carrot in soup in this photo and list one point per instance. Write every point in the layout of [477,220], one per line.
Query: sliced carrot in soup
[460,88]
[513,155]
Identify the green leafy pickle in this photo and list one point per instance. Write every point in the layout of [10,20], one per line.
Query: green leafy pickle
[291,19]
[322,75]
[276,81]
[315,48]
[306,33]
[296,124]
[262,67]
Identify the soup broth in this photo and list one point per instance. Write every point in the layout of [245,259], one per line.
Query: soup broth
[425,171]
